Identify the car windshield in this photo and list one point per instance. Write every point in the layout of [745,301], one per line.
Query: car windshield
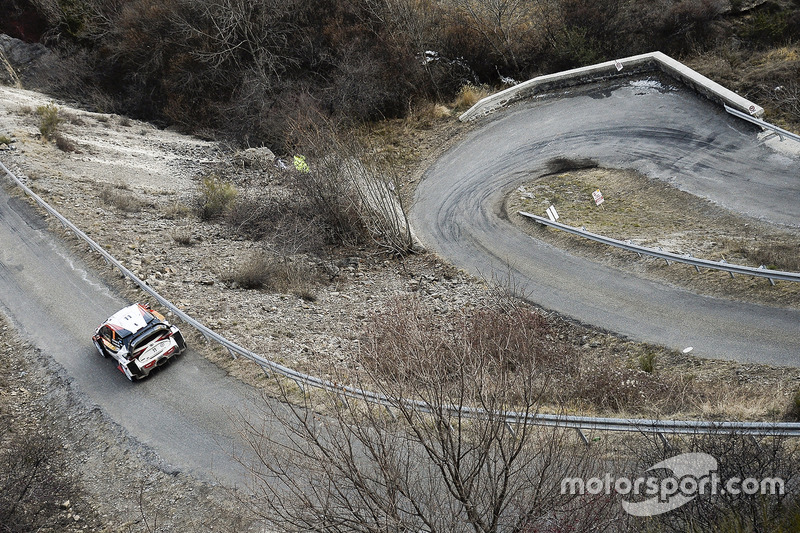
[148,336]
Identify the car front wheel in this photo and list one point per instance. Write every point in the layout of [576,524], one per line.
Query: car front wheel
[100,349]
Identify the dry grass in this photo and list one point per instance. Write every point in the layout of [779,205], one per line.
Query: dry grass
[408,343]
[282,274]
[768,77]
[176,210]
[654,214]
[121,198]
[215,197]
[781,54]
[468,96]
[182,236]
[65,144]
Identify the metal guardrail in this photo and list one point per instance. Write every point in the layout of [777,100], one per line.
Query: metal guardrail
[762,272]
[511,418]
[764,124]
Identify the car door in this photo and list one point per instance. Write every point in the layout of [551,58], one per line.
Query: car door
[109,340]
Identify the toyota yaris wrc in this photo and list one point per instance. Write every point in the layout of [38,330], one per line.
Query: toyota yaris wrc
[140,339]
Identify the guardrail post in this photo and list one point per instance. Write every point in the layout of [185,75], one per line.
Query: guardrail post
[233,354]
[511,430]
[724,262]
[582,436]
[690,256]
[771,281]
[343,399]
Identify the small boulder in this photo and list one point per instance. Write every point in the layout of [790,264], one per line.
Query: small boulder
[257,158]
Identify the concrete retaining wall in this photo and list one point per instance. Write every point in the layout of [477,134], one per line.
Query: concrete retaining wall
[609,69]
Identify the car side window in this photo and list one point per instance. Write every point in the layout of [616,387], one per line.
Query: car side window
[110,338]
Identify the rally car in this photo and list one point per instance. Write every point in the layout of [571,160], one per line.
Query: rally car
[140,339]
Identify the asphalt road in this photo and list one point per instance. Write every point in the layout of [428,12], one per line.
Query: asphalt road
[185,412]
[672,135]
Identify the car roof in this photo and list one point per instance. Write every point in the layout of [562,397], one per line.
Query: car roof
[130,320]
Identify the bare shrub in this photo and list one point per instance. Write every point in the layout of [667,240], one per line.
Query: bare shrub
[33,479]
[283,218]
[766,27]
[176,210]
[738,456]
[773,254]
[182,236]
[511,337]
[284,274]
[416,28]
[121,198]
[793,411]
[573,47]
[497,35]
[685,25]
[49,120]
[64,144]
[615,387]
[352,193]
[781,93]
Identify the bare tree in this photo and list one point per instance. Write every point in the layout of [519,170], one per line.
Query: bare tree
[243,35]
[738,456]
[342,464]
[418,25]
[506,26]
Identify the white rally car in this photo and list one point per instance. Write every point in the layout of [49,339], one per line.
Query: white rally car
[140,339]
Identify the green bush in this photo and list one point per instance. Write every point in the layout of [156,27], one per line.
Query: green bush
[647,362]
[766,28]
[215,198]
[49,120]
